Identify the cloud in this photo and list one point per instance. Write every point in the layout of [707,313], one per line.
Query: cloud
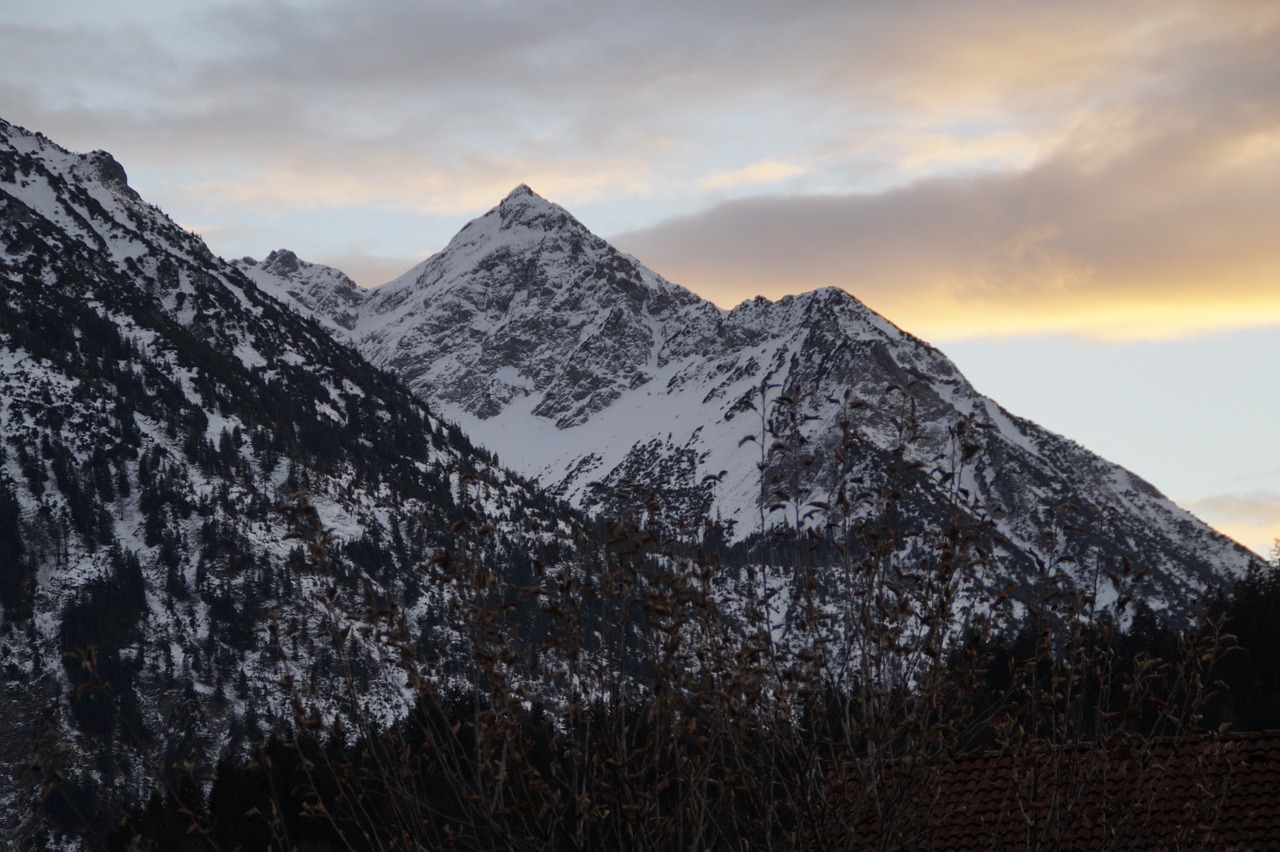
[1153,215]
[696,88]
[965,168]
[1253,519]
[756,174]
[412,184]
[369,270]
[1123,251]
[1257,507]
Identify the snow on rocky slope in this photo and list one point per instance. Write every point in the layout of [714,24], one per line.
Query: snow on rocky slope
[156,408]
[583,369]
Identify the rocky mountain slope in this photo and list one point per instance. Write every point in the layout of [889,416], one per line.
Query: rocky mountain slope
[156,410]
[211,473]
[581,368]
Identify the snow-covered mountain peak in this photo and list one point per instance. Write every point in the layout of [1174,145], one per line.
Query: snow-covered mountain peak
[529,246]
[525,303]
[524,196]
[825,307]
[95,168]
[524,207]
[320,292]
[596,376]
[522,219]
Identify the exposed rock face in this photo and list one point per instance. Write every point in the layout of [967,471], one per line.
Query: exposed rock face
[110,172]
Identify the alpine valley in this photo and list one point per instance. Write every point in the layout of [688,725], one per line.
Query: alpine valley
[210,469]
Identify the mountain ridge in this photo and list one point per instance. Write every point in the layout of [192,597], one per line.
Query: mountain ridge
[593,374]
[196,486]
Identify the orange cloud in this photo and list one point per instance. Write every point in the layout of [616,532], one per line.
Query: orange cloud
[403,184]
[757,174]
[1147,225]
[1251,519]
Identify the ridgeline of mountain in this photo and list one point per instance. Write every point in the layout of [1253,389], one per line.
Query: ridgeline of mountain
[156,408]
[318,292]
[581,368]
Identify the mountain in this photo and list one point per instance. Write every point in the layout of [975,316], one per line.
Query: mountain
[197,485]
[584,370]
[321,293]
[233,501]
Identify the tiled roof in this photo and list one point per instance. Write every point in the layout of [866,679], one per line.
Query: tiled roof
[1187,793]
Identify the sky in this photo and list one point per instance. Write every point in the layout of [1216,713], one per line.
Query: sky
[1079,202]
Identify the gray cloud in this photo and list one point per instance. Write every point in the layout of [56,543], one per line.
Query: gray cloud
[584,77]
[368,270]
[1167,197]
[1252,518]
[1127,150]
[1257,507]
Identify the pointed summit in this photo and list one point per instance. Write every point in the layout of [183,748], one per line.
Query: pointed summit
[527,307]
[281,261]
[523,207]
[524,198]
[521,191]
